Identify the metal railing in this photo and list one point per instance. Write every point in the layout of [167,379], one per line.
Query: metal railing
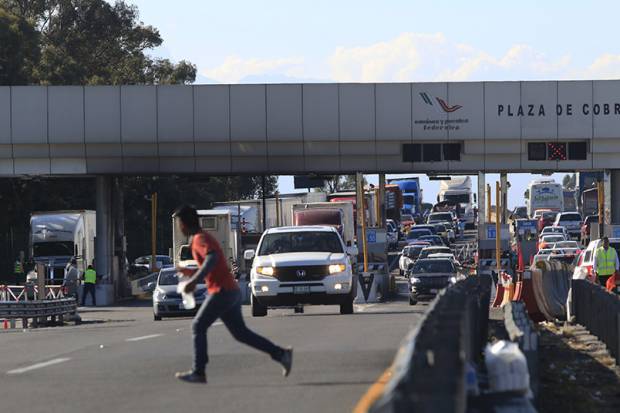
[599,311]
[30,292]
[39,311]
[429,373]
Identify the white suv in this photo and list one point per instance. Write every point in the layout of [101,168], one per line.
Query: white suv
[571,221]
[301,265]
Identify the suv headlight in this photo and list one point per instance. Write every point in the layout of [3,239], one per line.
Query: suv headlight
[268,271]
[337,268]
[414,280]
[159,295]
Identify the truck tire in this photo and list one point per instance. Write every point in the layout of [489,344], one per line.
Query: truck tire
[258,310]
[347,307]
[412,301]
[156,317]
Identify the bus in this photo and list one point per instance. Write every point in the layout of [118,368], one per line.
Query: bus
[544,194]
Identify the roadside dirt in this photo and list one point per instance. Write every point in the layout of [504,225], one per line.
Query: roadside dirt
[576,372]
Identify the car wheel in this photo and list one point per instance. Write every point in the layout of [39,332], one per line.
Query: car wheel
[347,307]
[156,317]
[258,310]
[412,301]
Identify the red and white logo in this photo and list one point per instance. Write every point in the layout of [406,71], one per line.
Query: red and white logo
[442,103]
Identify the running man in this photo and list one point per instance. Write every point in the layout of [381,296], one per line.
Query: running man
[223,301]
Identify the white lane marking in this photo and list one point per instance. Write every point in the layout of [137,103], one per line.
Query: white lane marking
[363,307]
[39,365]
[144,337]
[218,323]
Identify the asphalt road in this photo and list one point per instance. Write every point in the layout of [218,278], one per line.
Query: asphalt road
[123,361]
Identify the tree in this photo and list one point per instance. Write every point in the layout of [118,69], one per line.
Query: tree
[569,182]
[94,42]
[19,51]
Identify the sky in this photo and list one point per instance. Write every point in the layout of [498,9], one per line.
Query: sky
[370,41]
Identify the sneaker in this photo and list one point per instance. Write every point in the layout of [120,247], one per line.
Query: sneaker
[287,361]
[191,377]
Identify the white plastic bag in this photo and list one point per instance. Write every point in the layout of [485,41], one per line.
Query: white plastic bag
[507,368]
[189,302]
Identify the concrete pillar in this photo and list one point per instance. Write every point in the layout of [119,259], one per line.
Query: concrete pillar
[103,244]
[382,200]
[503,180]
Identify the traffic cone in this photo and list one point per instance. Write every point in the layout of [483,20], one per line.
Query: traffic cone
[5,324]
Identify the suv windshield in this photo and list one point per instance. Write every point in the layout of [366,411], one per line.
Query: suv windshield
[428,251]
[168,278]
[52,249]
[441,216]
[433,266]
[417,233]
[570,217]
[591,218]
[303,241]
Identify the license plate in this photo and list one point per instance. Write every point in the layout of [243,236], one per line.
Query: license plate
[434,291]
[301,289]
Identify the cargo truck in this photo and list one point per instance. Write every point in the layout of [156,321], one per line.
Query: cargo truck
[411,195]
[458,190]
[336,214]
[56,237]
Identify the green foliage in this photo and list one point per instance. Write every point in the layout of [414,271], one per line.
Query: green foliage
[82,42]
[19,50]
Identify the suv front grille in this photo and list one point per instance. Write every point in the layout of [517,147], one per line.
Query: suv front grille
[434,282]
[302,273]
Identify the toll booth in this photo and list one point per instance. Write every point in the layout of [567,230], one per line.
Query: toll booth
[526,241]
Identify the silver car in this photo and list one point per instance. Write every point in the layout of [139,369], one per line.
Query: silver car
[167,302]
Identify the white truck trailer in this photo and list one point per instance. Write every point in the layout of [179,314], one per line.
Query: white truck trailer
[458,189]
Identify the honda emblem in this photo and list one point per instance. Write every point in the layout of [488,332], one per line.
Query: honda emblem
[301,273]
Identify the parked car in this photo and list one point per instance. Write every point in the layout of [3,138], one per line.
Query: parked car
[585,228]
[167,302]
[429,276]
[293,266]
[571,221]
[585,264]
[416,233]
[408,256]
[554,230]
[433,239]
[546,219]
[546,241]
[425,252]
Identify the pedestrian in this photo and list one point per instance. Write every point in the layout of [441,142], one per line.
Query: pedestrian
[70,282]
[223,300]
[90,280]
[605,262]
[18,271]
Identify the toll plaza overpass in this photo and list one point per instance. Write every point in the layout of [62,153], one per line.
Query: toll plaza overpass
[310,128]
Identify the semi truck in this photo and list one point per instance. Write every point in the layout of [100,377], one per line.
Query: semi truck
[411,195]
[458,190]
[58,236]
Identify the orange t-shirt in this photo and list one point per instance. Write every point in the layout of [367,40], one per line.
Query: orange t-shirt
[220,278]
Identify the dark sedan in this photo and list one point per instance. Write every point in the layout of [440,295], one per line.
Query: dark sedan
[429,276]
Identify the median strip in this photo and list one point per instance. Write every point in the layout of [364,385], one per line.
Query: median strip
[38,365]
[374,392]
[143,337]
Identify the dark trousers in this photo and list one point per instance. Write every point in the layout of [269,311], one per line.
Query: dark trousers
[226,305]
[89,289]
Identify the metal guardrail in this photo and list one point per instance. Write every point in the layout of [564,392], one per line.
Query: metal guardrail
[429,370]
[30,292]
[599,311]
[38,310]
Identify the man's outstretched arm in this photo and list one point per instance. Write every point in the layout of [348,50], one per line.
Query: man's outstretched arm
[207,266]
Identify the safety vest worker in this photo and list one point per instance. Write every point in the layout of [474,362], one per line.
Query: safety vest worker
[605,262]
[90,276]
[19,268]
[90,279]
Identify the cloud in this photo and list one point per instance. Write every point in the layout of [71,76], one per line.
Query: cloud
[234,68]
[415,57]
[433,57]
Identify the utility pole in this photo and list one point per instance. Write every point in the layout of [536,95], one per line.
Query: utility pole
[361,216]
[498,241]
[489,203]
[154,232]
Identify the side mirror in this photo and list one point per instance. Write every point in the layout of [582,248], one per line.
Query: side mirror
[150,286]
[352,251]
[249,255]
